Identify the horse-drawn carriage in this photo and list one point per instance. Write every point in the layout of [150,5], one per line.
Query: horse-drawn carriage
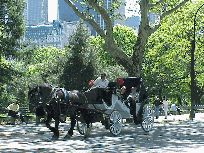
[94,105]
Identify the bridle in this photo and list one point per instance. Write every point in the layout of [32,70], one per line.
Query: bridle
[38,96]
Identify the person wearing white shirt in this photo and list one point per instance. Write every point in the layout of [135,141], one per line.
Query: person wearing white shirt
[165,105]
[101,82]
[97,91]
[13,111]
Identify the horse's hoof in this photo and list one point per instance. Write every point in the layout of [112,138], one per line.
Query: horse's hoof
[55,137]
[67,136]
[88,131]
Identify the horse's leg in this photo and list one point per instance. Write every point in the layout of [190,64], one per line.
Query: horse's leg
[54,130]
[73,123]
[47,122]
[56,114]
[88,120]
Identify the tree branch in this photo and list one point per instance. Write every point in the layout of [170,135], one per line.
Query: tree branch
[104,14]
[152,30]
[165,14]
[180,84]
[82,16]
[173,9]
[155,4]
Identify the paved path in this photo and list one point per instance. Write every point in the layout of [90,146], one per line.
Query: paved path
[176,134]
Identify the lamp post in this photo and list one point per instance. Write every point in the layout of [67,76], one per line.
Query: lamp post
[193,83]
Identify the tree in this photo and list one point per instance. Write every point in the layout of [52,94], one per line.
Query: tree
[79,69]
[166,66]
[133,63]
[30,69]
[11,30]
[11,26]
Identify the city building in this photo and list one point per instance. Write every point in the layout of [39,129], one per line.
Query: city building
[36,12]
[67,14]
[56,34]
[131,9]
[39,31]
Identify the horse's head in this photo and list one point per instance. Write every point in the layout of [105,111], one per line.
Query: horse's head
[41,93]
[33,98]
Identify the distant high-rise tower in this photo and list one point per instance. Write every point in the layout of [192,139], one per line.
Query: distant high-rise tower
[36,12]
[65,11]
[67,14]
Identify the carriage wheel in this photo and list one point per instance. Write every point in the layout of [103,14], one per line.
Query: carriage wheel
[115,123]
[82,127]
[147,118]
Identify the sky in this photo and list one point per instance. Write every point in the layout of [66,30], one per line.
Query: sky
[52,10]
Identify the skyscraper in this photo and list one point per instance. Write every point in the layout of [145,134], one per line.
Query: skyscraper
[36,12]
[66,13]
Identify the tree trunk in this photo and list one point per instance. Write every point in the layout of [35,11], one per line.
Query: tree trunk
[160,93]
[143,34]
[120,56]
[179,100]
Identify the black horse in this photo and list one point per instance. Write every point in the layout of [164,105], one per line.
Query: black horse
[57,101]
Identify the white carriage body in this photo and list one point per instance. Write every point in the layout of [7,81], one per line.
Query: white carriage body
[117,104]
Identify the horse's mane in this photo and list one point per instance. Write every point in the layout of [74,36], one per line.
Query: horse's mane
[32,90]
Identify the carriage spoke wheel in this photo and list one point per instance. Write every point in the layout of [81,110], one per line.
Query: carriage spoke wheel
[115,123]
[82,127]
[147,118]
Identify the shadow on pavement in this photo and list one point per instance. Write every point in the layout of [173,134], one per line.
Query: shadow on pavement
[177,136]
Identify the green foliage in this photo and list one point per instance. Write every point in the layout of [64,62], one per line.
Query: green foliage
[30,69]
[167,60]
[124,37]
[11,25]
[47,63]
[11,30]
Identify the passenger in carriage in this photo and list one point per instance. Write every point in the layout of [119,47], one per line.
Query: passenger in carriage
[134,95]
[131,101]
[123,93]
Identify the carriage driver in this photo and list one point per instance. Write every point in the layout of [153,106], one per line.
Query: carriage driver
[101,82]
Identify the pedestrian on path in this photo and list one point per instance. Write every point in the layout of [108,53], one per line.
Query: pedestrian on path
[165,105]
[173,109]
[157,106]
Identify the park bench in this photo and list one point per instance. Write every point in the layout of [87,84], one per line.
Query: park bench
[187,109]
[5,118]
[199,108]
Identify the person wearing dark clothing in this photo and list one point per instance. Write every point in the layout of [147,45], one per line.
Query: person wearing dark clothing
[131,101]
[157,106]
